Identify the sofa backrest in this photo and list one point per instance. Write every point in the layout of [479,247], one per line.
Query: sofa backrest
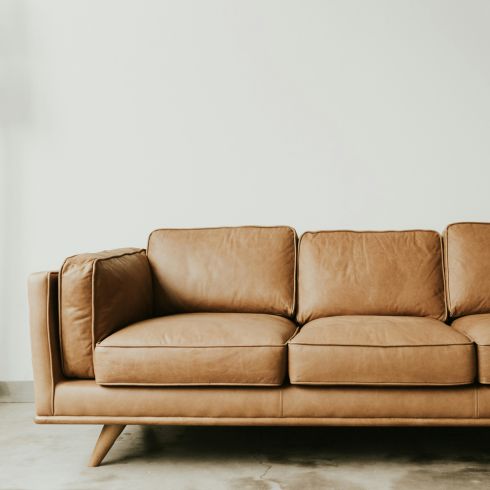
[370,273]
[467,261]
[241,269]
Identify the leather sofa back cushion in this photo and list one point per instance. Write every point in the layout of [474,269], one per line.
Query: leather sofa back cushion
[99,293]
[370,273]
[467,253]
[241,270]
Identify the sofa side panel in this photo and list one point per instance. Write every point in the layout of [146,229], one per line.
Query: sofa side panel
[43,318]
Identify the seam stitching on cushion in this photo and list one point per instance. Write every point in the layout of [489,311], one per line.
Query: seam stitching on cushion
[107,383]
[281,346]
[415,230]
[391,383]
[136,252]
[380,346]
[223,228]
[213,228]
[469,223]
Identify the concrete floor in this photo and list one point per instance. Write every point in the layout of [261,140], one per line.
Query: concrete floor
[53,457]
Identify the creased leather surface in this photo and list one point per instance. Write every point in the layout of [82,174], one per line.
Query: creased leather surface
[242,270]
[380,350]
[467,254]
[197,348]
[370,273]
[99,293]
[85,397]
[477,328]
[43,316]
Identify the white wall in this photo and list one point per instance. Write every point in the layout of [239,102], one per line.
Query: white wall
[118,117]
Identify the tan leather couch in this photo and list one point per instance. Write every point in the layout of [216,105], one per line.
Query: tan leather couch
[244,326]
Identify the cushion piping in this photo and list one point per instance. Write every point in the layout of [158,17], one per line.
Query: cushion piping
[280,346]
[379,346]
[200,346]
[396,383]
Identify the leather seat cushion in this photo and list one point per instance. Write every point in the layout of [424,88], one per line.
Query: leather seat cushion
[380,350]
[197,349]
[477,329]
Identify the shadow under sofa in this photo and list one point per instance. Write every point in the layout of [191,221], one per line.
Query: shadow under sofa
[244,326]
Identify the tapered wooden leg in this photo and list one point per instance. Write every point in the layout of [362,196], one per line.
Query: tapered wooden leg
[107,437]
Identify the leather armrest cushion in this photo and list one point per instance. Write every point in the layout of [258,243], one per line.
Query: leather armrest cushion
[100,293]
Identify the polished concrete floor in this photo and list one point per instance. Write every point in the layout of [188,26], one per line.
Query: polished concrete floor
[53,457]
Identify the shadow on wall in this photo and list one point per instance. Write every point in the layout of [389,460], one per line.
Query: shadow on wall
[15,115]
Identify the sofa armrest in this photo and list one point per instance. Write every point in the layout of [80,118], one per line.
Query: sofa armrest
[100,293]
[43,317]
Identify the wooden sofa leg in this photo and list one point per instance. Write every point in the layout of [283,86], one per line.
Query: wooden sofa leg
[107,437]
